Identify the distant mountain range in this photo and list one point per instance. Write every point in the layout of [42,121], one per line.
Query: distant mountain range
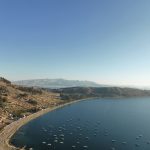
[56,83]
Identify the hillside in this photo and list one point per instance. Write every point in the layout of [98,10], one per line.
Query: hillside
[56,83]
[83,92]
[17,101]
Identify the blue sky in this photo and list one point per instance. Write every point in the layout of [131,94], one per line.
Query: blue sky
[107,41]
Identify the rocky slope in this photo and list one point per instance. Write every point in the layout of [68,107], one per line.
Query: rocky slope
[17,101]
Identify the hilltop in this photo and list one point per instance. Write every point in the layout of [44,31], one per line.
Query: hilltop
[56,83]
[89,92]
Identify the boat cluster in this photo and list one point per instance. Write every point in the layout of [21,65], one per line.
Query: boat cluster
[79,135]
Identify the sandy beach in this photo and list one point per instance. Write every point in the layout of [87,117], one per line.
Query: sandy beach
[9,130]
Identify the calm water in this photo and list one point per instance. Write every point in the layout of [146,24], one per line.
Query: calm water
[106,124]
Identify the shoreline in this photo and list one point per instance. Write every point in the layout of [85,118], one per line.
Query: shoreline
[9,130]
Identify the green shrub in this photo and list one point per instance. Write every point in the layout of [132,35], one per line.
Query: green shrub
[22,95]
[3,90]
[3,101]
[5,80]
[31,101]
[31,90]
[18,113]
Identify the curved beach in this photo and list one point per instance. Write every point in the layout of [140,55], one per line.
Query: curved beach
[9,130]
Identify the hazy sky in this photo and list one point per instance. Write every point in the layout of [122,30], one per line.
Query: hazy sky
[107,41]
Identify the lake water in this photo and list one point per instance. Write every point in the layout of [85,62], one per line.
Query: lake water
[106,124]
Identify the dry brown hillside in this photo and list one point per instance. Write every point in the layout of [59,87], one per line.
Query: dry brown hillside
[17,101]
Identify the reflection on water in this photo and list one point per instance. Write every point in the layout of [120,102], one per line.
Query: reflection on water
[107,124]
